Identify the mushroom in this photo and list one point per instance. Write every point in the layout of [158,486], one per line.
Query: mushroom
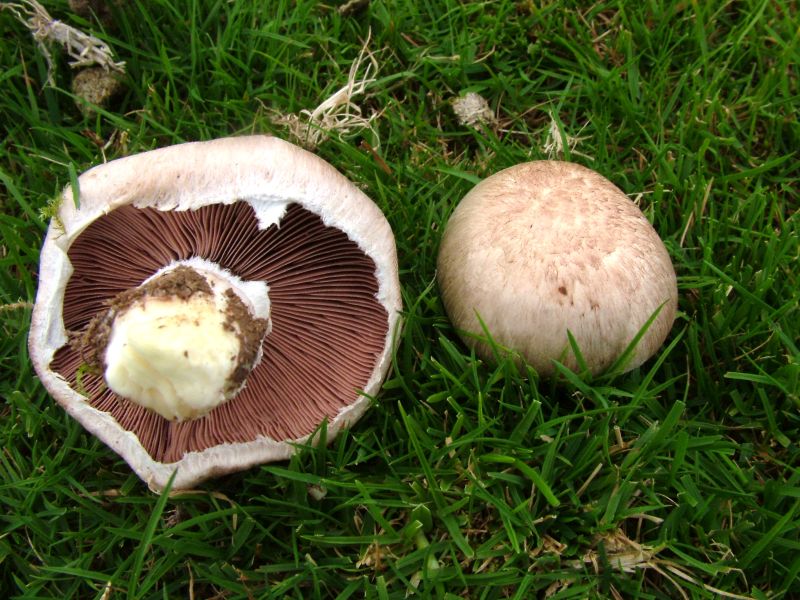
[545,248]
[205,307]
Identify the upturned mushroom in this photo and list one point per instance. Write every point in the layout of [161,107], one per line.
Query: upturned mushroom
[545,248]
[203,308]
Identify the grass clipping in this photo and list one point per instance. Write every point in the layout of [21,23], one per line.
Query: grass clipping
[85,50]
[617,551]
[338,113]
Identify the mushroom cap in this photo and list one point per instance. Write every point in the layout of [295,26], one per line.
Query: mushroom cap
[277,190]
[547,247]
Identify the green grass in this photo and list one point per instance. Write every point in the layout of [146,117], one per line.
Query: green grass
[465,479]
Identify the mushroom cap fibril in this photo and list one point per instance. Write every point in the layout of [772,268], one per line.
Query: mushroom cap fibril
[547,247]
[272,220]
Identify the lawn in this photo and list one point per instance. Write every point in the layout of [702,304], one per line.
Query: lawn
[466,478]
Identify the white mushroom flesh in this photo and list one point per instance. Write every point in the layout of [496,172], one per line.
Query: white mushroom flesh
[173,356]
[179,356]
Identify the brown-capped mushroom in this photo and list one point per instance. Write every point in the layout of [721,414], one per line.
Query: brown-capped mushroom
[203,308]
[545,248]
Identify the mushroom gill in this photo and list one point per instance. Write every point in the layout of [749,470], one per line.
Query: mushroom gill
[327,325]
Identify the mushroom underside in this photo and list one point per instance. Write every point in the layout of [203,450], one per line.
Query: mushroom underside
[328,326]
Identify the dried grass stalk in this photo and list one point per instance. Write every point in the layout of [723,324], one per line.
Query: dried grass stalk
[554,143]
[84,49]
[337,113]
